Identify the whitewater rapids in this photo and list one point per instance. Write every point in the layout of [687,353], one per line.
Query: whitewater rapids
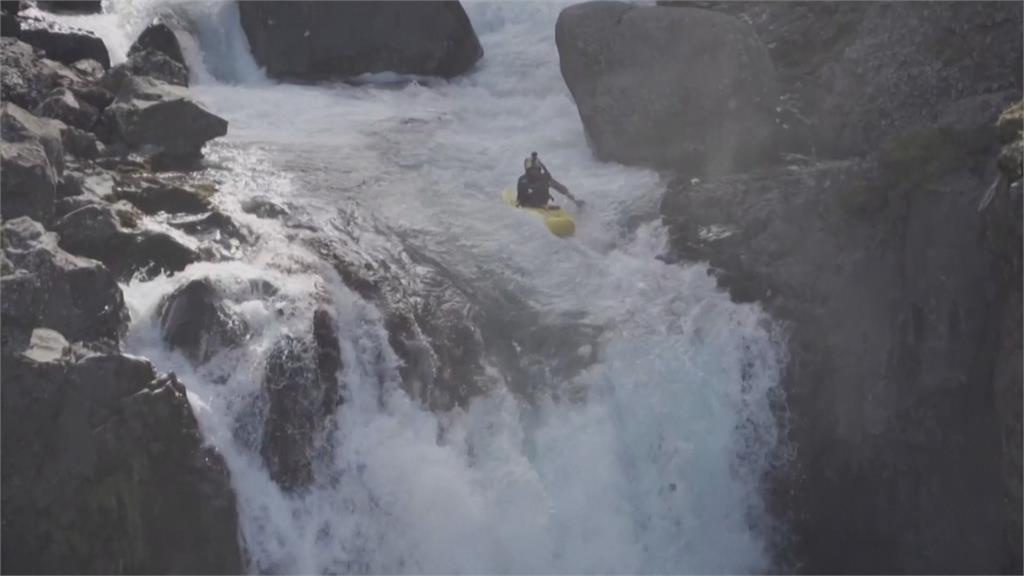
[655,468]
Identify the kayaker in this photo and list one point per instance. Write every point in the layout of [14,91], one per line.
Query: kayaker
[533,190]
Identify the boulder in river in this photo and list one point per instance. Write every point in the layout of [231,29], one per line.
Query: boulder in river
[160,120]
[195,320]
[160,38]
[678,88]
[320,40]
[27,79]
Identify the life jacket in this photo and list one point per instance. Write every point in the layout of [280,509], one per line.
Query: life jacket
[535,192]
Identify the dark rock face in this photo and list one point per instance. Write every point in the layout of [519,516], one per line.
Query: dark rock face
[301,384]
[72,6]
[319,40]
[50,288]
[880,266]
[63,43]
[160,38]
[93,447]
[159,119]
[878,69]
[683,88]
[196,322]
[62,105]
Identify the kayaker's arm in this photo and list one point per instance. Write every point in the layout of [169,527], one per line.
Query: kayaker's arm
[561,189]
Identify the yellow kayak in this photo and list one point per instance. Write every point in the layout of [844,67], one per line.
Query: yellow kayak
[558,221]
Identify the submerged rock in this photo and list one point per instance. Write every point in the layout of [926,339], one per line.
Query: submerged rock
[681,88]
[195,321]
[319,40]
[153,194]
[301,383]
[105,469]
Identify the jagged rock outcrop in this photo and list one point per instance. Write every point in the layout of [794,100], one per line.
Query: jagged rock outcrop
[156,65]
[880,267]
[160,38]
[303,392]
[94,446]
[97,231]
[321,40]
[680,88]
[63,43]
[29,181]
[27,78]
[160,120]
[20,126]
[195,320]
[48,288]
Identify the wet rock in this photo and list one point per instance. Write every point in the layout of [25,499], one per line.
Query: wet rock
[106,471]
[301,383]
[96,231]
[160,38]
[158,119]
[27,78]
[216,226]
[63,43]
[153,194]
[264,208]
[157,65]
[52,289]
[715,115]
[62,105]
[316,40]
[196,322]
[29,184]
[9,24]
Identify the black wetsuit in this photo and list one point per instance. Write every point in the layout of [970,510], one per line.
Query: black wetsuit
[534,191]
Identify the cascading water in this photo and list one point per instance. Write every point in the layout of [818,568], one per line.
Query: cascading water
[654,467]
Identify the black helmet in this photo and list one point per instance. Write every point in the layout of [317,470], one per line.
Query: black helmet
[532,161]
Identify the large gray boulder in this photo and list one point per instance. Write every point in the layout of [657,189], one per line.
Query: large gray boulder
[679,88]
[319,40]
[105,469]
[61,42]
[46,287]
[160,120]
